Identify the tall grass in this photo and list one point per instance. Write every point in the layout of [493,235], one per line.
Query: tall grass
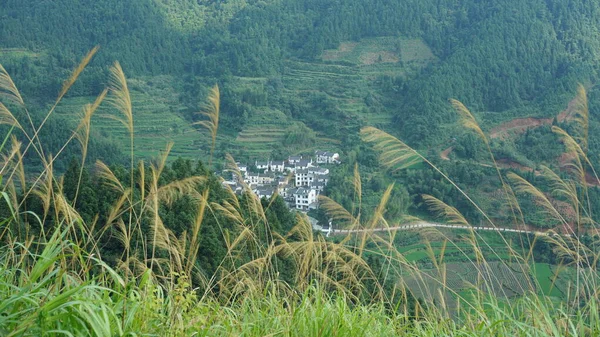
[54,279]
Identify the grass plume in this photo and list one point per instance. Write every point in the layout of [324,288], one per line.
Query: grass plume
[211,110]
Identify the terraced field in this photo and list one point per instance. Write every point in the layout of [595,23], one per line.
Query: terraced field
[346,86]
[347,77]
[348,74]
[263,131]
[380,50]
[8,55]
[156,122]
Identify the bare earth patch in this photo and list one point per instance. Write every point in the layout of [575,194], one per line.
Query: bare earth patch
[517,126]
[507,163]
[520,125]
[444,154]
[340,52]
[378,57]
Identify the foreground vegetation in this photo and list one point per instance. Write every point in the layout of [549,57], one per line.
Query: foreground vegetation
[158,249]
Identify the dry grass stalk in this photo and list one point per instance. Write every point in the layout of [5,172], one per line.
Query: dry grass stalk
[8,89]
[211,110]
[440,208]
[467,119]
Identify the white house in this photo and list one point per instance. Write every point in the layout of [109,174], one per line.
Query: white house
[309,179]
[262,165]
[277,166]
[264,192]
[319,186]
[318,170]
[303,177]
[292,160]
[234,186]
[306,198]
[251,178]
[304,163]
[242,168]
[326,157]
[289,168]
[282,181]
[265,178]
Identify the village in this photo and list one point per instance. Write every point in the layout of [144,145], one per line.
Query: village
[299,180]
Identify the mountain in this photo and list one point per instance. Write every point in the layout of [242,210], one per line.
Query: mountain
[320,68]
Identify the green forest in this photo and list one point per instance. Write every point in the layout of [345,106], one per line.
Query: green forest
[318,69]
[482,116]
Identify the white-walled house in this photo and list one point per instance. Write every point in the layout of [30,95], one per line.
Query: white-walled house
[259,178]
[265,178]
[289,168]
[292,160]
[262,165]
[251,178]
[319,186]
[282,181]
[277,166]
[236,187]
[264,192]
[303,177]
[305,198]
[242,168]
[318,170]
[300,191]
[303,164]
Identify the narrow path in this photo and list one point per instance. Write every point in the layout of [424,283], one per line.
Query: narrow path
[436,225]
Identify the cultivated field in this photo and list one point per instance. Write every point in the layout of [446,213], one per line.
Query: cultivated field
[156,122]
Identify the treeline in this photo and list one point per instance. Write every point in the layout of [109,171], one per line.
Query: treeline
[95,199]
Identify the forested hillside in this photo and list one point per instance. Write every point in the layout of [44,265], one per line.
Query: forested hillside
[510,57]
[298,75]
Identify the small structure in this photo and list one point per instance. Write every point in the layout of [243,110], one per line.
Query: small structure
[292,160]
[306,198]
[264,192]
[262,165]
[265,178]
[326,157]
[318,170]
[235,186]
[304,163]
[251,178]
[242,168]
[303,177]
[277,166]
[319,186]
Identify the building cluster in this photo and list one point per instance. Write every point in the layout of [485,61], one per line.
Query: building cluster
[299,180]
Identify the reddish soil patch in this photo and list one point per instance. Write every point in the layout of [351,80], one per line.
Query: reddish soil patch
[566,158]
[520,125]
[517,126]
[568,113]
